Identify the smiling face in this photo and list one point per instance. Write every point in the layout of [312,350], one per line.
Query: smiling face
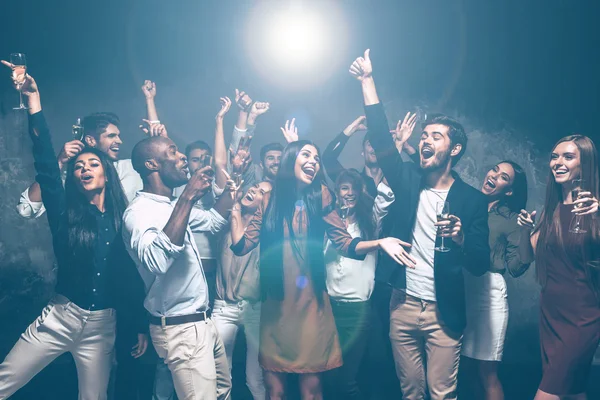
[307,166]
[435,147]
[89,173]
[270,164]
[348,194]
[110,142]
[499,181]
[565,162]
[254,196]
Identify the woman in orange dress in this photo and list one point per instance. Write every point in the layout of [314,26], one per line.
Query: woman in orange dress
[297,332]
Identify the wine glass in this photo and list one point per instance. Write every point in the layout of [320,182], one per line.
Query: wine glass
[344,210]
[236,177]
[576,225]
[77,130]
[442,212]
[244,143]
[19,75]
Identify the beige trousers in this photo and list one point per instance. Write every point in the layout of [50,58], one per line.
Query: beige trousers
[64,327]
[425,351]
[196,358]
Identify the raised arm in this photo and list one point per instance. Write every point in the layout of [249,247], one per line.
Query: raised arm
[383,143]
[332,152]
[220,151]
[149,90]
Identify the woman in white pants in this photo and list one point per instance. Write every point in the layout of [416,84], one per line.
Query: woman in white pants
[505,185]
[84,217]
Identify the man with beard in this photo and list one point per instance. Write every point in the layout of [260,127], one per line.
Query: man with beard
[158,232]
[101,130]
[428,301]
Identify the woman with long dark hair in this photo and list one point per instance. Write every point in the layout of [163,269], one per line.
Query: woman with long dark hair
[350,283]
[298,334]
[84,218]
[567,266]
[505,186]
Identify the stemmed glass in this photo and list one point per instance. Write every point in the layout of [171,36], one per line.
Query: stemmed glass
[442,212]
[576,225]
[19,75]
[344,210]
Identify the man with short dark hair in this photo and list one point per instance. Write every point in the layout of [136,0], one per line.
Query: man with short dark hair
[158,232]
[427,306]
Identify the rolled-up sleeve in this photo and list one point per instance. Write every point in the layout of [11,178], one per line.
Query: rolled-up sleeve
[148,244]
[206,220]
[29,209]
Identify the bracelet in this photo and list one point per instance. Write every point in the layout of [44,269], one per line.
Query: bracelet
[154,122]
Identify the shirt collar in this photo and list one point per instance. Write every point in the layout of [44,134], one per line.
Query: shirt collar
[155,197]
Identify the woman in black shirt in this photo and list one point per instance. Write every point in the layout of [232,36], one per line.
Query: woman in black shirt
[84,218]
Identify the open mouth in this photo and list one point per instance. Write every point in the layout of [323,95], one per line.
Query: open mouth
[561,172]
[86,178]
[309,171]
[427,152]
[250,196]
[115,149]
[490,184]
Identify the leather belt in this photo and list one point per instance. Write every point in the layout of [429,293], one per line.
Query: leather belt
[178,320]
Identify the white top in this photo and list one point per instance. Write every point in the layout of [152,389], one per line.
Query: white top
[419,281]
[173,275]
[383,201]
[130,180]
[205,241]
[348,279]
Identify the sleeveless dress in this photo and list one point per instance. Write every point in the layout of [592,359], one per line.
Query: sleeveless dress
[570,313]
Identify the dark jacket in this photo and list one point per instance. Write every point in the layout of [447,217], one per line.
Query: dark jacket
[466,202]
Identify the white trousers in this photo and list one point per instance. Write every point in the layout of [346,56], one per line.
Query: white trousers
[64,327]
[196,358]
[228,318]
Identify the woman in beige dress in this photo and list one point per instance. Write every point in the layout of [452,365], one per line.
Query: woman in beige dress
[297,330]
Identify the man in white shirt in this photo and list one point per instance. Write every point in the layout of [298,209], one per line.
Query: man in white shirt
[101,130]
[158,232]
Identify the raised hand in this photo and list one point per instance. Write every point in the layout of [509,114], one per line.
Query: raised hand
[28,87]
[70,149]
[232,188]
[199,184]
[526,220]
[290,131]
[225,106]
[361,68]
[585,204]
[395,248]
[154,129]
[357,125]
[149,89]
[240,160]
[242,100]
[405,128]
[259,108]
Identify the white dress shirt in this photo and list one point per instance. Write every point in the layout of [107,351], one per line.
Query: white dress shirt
[130,180]
[383,201]
[173,275]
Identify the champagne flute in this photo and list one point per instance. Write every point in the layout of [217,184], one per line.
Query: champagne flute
[236,177]
[19,75]
[206,161]
[344,209]
[576,225]
[442,212]
[77,130]
[244,143]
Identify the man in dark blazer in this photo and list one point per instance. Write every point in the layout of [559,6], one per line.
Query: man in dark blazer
[427,308]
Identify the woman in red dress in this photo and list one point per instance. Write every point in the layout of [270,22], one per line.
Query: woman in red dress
[568,269]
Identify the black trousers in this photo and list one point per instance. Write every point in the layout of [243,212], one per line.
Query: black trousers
[352,320]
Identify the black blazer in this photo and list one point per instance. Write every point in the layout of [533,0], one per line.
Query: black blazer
[466,202]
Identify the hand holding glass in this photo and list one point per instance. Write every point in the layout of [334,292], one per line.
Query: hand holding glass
[19,75]
[576,225]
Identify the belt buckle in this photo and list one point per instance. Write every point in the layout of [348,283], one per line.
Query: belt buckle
[163,321]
